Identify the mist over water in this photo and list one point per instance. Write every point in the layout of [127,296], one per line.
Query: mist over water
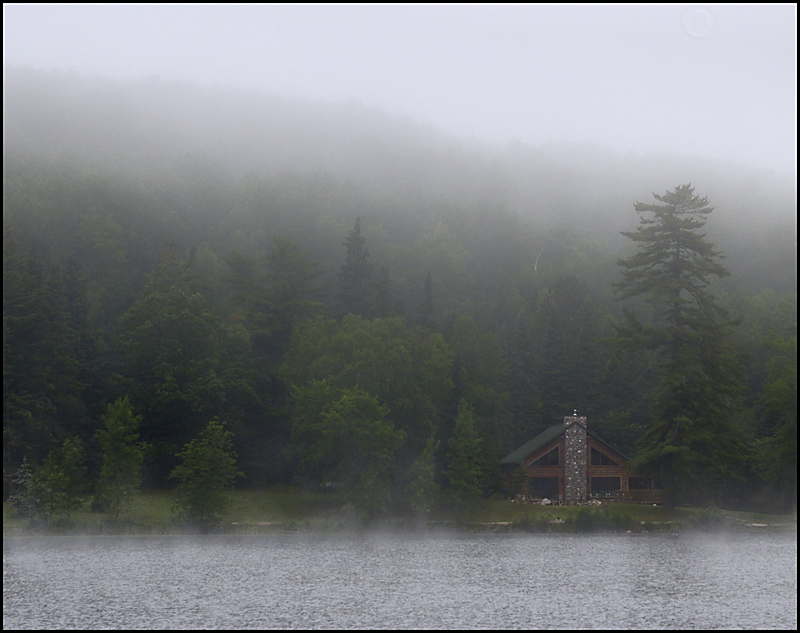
[381,581]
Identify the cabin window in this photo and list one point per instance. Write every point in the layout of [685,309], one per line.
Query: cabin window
[543,487]
[548,459]
[600,459]
[604,486]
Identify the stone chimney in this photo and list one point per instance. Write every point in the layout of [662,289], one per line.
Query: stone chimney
[575,459]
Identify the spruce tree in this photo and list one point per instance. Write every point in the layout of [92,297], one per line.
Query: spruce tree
[692,444]
[423,489]
[355,289]
[290,296]
[384,307]
[388,297]
[464,458]
[426,304]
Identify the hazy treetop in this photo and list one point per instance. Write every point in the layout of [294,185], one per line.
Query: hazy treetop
[716,82]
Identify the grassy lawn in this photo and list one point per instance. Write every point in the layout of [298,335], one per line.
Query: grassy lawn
[291,508]
[152,512]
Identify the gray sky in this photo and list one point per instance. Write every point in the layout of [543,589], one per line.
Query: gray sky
[710,80]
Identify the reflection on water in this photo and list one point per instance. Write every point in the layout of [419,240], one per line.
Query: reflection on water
[379,581]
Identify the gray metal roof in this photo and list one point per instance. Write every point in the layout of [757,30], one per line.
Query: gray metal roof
[535,444]
[548,435]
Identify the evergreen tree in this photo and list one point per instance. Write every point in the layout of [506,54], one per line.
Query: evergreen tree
[570,322]
[291,292]
[42,390]
[426,303]
[173,354]
[479,373]
[464,458]
[243,279]
[777,450]
[86,362]
[384,306]
[355,290]
[388,300]
[692,446]
[423,488]
[121,472]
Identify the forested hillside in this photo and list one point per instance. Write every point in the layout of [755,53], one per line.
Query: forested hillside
[361,299]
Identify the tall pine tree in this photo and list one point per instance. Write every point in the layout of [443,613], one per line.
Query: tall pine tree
[692,447]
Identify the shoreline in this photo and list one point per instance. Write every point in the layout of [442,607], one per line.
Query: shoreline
[411,528]
[290,510]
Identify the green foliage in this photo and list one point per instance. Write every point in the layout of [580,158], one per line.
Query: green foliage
[593,519]
[558,361]
[707,519]
[292,286]
[777,450]
[269,310]
[423,490]
[121,471]
[692,448]
[587,520]
[366,444]
[173,351]
[50,491]
[345,437]
[355,290]
[426,304]
[206,470]
[406,368]
[43,356]
[464,459]
[388,303]
[520,301]
[480,378]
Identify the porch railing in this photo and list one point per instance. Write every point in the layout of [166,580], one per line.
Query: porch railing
[640,496]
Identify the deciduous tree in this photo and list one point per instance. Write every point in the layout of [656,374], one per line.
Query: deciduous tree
[206,470]
[123,454]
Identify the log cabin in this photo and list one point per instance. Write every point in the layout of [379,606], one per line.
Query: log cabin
[569,464]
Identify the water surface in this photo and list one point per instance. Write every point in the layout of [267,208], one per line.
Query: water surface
[391,581]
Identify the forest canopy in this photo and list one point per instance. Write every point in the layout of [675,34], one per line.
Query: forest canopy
[364,301]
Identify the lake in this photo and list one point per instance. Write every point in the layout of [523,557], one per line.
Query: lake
[402,581]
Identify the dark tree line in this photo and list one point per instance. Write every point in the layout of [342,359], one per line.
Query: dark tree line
[271,317]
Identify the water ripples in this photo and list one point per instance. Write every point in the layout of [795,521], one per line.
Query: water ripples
[391,581]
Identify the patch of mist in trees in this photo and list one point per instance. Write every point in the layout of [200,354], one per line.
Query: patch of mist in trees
[179,261]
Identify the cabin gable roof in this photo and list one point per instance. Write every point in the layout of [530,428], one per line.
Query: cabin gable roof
[548,435]
[535,444]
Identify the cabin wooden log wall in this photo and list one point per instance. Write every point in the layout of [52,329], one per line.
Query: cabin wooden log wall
[582,464]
